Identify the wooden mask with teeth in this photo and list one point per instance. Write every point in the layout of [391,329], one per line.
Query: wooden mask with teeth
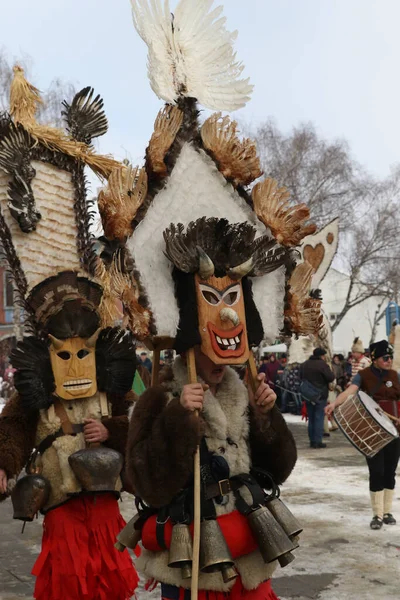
[214,262]
[222,319]
[73,363]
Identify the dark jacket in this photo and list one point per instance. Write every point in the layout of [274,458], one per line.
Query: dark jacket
[316,371]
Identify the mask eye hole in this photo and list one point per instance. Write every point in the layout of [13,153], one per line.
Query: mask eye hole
[210,296]
[232,296]
[64,355]
[82,353]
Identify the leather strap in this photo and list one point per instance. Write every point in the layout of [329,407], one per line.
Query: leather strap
[103,404]
[222,488]
[61,413]
[162,518]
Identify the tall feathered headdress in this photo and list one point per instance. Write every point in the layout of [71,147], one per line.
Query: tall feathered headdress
[204,171]
[45,214]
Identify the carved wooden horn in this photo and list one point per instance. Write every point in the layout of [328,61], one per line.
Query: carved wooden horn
[58,344]
[206,265]
[241,270]
[91,342]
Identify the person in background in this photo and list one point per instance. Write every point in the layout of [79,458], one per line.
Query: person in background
[264,362]
[381,382]
[146,361]
[359,361]
[316,372]
[271,371]
[291,396]
[338,368]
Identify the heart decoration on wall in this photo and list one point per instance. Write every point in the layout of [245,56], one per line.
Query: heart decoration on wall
[314,256]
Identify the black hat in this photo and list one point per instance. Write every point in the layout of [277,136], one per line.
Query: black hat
[318,352]
[379,349]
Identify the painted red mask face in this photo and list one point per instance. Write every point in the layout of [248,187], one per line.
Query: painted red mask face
[222,320]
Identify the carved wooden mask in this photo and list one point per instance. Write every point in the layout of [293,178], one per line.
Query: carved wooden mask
[74,367]
[222,320]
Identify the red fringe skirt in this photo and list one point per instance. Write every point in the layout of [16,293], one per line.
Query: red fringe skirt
[78,560]
[263,592]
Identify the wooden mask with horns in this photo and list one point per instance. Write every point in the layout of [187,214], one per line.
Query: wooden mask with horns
[219,255]
[73,363]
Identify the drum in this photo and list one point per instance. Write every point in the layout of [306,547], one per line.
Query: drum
[364,424]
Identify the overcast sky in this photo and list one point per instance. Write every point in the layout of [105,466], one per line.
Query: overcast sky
[333,62]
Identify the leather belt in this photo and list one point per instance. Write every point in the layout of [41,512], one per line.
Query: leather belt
[222,488]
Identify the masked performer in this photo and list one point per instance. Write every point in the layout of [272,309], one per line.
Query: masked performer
[214,280]
[381,382]
[68,421]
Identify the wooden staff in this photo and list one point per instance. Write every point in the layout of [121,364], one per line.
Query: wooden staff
[191,367]
[252,373]
[156,365]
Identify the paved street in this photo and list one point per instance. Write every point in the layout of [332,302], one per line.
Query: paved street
[340,558]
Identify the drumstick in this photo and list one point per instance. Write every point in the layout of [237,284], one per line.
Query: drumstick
[391,417]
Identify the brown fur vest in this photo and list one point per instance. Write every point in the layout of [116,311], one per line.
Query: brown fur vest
[161,444]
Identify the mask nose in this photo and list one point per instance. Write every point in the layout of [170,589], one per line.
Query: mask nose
[228,314]
[73,370]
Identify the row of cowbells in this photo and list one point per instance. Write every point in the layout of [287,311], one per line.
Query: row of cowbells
[96,469]
[274,527]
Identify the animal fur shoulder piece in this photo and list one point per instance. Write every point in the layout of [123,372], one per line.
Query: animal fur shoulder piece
[191,53]
[236,159]
[287,222]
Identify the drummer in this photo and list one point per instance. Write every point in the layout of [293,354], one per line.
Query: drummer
[380,382]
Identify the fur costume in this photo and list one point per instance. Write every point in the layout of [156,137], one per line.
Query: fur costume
[74,365]
[232,430]
[214,266]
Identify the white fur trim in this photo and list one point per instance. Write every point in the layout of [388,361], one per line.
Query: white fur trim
[252,570]
[56,467]
[196,189]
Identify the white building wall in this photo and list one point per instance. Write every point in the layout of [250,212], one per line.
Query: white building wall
[357,322]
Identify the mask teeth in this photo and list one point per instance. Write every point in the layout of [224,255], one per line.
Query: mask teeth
[227,343]
[78,383]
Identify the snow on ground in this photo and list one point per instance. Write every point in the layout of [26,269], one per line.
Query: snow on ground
[328,493]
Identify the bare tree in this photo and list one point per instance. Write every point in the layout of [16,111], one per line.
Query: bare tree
[324,176]
[319,173]
[370,250]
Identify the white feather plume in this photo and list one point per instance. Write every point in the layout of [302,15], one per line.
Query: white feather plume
[191,53]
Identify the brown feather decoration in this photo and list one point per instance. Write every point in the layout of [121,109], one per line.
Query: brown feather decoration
[236,159]
[288,223]
[166,126]
[120,200]
[108,309]
[124,287]
[24,99]
[302,313]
